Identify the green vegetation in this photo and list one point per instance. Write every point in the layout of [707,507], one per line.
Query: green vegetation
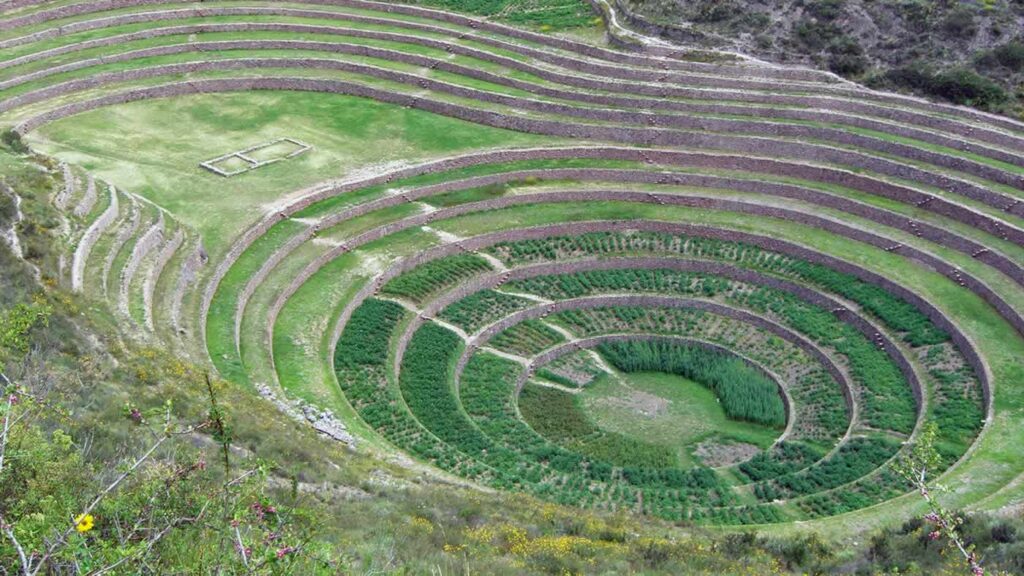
[746,394]
[888,401]
[476,311]
[430,279]
[854,459]
[545,14]
[668,410]
[527,338]
[694,329]
[558,415]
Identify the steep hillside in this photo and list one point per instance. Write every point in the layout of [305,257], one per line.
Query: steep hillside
[963,52]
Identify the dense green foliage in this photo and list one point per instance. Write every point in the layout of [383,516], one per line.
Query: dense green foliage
[481,308]
[958,85]
[853,460]
[745,392]
[887,402]
[821,416]
[784,458]
[527,338]
[360,363]
[433,277]
[891,309]
[561,455]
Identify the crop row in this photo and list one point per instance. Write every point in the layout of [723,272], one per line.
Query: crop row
[887,400]
[527,338]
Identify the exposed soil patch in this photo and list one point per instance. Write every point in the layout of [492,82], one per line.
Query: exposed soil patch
[640,402]
[714,454]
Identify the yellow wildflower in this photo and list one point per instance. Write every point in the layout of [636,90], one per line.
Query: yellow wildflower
[84,523]
[422,523]
[454,548]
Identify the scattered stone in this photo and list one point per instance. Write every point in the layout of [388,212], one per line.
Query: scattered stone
[323,421]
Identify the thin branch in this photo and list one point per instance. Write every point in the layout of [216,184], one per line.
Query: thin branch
[6,430]
[26,566]
[152,542]
[99,498]
[241,547]
[241,478]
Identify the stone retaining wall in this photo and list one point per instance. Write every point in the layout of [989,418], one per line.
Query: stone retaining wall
[92,234]
[653,136]
[512,32]
[148,242]
[484,336]
[68,190]
[88,200]
[187,277]
[772,244]
[918,228]
[125,232]
[699,132]
[166,253]
[860,99]
[795,131]
[594,341]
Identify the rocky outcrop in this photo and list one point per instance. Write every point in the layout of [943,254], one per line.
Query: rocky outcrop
[10,235]
[323,421]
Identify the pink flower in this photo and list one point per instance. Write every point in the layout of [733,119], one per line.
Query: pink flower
[931,517]
[282,552]
[246,551]
[934,535]
[12,399]
[978,571]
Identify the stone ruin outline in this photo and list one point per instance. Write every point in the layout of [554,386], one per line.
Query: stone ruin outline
[211,165]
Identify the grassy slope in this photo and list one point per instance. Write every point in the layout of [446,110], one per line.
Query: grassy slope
[160,157]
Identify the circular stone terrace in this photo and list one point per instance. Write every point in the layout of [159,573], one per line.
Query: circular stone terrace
[525,259]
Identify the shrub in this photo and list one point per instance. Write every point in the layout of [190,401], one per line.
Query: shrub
[825,10]
[715,11]
[434,277]
[960,24]
[1004,533]
[814,36]
[960,85]
[1009,55]
[847,57]
[13,140]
